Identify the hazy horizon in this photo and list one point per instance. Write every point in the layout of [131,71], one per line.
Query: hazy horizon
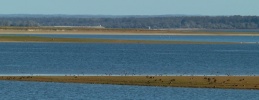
[132,7]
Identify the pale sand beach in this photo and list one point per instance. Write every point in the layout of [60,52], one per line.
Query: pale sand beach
[223,82]
[54,30]
[87,31]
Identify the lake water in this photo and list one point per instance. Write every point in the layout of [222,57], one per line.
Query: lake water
[118,59]
[69,91]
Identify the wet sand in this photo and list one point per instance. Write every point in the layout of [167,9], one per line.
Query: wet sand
[223,82]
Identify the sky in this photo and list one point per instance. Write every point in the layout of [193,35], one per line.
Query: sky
[131,7]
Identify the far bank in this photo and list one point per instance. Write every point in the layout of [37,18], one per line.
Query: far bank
[109,31]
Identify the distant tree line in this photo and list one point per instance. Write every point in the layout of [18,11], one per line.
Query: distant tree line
[155,22]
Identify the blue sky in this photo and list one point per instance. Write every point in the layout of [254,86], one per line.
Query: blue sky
[131,7]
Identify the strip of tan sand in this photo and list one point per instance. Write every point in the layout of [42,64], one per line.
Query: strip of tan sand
[75,40]
[54,30]
[224,82]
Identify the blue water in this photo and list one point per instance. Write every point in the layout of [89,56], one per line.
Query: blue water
[69,91]
[133,59]
[129,59]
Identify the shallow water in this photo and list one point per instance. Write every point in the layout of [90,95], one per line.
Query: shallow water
[121,59]
[68,91]
[132,59]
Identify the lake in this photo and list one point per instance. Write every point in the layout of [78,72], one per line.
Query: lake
[140,59]
[133,59]
[69,91]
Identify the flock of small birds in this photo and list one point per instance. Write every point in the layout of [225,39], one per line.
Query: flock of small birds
[210,81]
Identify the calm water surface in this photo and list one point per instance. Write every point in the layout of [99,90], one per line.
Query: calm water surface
[130,59]
[68,91]
[117,59]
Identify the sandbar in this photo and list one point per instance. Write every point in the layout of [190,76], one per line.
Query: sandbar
[222,82]
[108,31]
[23,39]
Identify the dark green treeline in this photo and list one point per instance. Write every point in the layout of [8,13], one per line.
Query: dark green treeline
[143,22]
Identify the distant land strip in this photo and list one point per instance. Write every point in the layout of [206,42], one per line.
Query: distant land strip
[111,31]
[222,82]
[25,39]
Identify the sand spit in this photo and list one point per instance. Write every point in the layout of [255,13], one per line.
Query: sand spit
[223,82]
[107,31]
[75,40]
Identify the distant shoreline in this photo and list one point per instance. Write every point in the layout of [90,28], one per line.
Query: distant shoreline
[222,82]
[35,39]
[5,31]
[104,31]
